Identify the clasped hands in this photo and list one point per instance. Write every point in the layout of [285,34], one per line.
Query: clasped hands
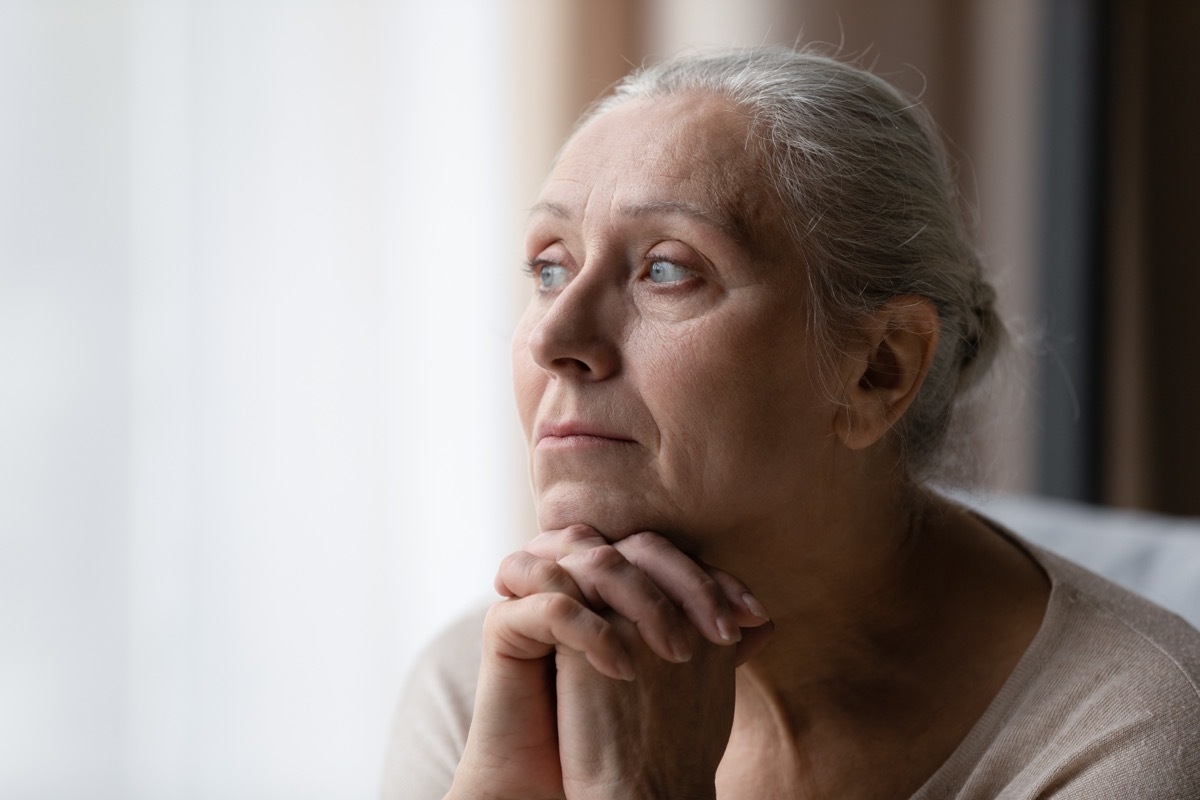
[608,672]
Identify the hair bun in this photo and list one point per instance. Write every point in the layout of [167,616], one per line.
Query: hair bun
[982,332]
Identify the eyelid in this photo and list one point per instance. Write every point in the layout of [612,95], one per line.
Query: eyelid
[684,265]
[532,265]
[679,262]
[535,268]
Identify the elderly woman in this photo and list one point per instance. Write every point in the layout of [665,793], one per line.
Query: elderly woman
[754,311]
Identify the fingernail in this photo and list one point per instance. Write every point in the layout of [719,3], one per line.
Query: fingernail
[681,648]
[624,667]
[729,631]
[754,607]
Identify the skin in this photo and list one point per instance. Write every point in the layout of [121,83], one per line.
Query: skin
[680,436]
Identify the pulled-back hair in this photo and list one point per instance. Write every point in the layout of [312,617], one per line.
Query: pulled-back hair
[870,202]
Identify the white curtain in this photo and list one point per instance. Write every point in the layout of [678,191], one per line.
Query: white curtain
[256,442]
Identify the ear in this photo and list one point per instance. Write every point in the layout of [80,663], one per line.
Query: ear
[884,368]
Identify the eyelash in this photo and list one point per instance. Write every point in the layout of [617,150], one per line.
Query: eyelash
[533,266]
[651,258]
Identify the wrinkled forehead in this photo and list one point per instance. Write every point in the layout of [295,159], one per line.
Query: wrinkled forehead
[696,148]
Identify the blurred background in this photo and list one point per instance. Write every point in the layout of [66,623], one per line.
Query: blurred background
[259,265]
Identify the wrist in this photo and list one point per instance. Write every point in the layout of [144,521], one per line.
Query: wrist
[656,791]
[484,790]
[459,791]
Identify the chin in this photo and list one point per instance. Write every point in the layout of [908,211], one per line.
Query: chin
[614,516]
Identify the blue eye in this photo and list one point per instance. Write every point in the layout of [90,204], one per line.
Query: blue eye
[667,272]
[551,276]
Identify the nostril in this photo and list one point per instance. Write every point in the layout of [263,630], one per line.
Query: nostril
[577,333]
[572,364]
[568,350]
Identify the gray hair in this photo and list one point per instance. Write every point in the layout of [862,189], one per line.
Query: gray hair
[871,204]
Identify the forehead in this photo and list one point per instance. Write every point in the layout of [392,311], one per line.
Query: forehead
[694,151]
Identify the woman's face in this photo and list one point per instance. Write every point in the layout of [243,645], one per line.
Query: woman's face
[662,370]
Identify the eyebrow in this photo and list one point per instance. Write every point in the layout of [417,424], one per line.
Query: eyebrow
[729,224]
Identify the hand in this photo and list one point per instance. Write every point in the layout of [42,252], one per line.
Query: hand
[663,734]
[512,745]
[556,586]
[645,579]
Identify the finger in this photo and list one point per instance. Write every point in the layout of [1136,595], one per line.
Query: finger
[701,596]
[753,641]
[554,545]
[719,615]
[531,627]
[747,610]
[608,580]
[522,574]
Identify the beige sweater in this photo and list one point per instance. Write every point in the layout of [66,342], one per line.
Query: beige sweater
[1104,704]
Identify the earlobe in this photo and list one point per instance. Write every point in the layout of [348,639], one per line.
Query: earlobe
[884,370]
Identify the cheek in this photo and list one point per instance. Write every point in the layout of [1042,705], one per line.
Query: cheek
[529,380]
[734,388]
[704,362]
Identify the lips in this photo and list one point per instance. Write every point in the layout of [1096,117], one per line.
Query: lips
[576,432]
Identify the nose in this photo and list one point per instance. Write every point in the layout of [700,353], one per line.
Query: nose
[579,331]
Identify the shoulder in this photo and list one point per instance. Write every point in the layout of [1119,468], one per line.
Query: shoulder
[434,713]
[1104,703]
[1139,644]
[1117,697]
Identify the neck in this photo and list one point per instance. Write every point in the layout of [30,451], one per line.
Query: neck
[890,612]
[897,617]
[856,588]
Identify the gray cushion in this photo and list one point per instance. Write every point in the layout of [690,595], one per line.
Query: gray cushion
[1154,555]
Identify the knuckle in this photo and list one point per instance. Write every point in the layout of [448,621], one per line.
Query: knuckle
[663,611]
[541,539]
[494,618]
[710,591]
[559,607]
[644,547]
[643,540]
[724,579]
[507,573]
[511,562]
[578,534]
[604,557]
[607,634]
[545,573]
